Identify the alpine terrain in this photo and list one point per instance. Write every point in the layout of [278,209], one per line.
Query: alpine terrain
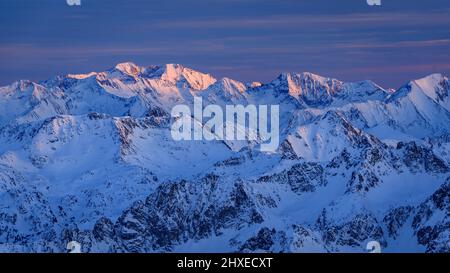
[90,158]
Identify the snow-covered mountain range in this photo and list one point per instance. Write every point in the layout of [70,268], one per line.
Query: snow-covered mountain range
[90,158]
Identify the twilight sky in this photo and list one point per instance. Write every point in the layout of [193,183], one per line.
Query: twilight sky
[248,40]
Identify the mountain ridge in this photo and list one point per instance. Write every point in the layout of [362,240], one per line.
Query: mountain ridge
[89,158]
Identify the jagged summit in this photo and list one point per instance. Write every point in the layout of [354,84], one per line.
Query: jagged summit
[176,72]
[129,68]
[316,91]
[172,73]
[310,86]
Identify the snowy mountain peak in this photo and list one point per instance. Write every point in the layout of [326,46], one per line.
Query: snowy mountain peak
[436,77]
[128,72]
[22,85]
[435,86]
[254,84]
[226,90]
[232,85]
[25,86]
[81,76]
[197,80]
[129,68]
[311,89]
[316,91]
[430,82]
[172,72]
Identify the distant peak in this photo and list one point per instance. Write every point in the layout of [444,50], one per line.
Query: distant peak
[307,84]
[81,76]
[434,86]
[303,75]
[174,66]
[129,68]
[229,84]
[24,85]
[254,84]
[312,76]
[172,72]
[429,82]
[177,72]
[433,78]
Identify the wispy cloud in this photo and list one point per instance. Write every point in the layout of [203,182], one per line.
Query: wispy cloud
[437,17]
[394,44]
[425,69]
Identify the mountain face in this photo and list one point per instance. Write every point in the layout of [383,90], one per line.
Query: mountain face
[90,158]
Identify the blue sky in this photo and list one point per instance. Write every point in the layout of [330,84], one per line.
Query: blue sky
[248,40]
